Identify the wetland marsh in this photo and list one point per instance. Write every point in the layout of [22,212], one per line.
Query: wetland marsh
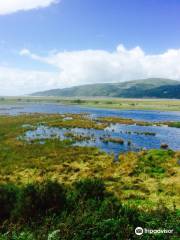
[100,159]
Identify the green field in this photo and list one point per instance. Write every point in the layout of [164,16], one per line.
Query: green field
[80,192]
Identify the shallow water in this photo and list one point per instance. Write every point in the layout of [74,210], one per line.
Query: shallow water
[57,108]
[168,135]
[134,134]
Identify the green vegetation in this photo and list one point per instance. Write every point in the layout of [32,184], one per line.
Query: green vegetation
[119,120]
[141,133]
[59,191]
[77,137]
[113,140]
[75,120]
[116,103]
[174,124]
[85,210]
[78,101]
[113,120]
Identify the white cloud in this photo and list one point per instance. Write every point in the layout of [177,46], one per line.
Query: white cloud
[11,6]
[17,82]
[89,66]
[92,66]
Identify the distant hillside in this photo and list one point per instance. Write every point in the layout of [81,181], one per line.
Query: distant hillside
[146,88]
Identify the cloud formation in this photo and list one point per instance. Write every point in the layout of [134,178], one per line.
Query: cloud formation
[18,82]
[97,66]
[11,6]
[89,66]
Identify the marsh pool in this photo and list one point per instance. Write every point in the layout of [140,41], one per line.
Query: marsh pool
[129,133]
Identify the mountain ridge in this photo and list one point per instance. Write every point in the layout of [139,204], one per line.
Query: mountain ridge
[144,88]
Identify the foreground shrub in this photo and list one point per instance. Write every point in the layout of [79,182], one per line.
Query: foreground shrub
[53,197]
[17,236]
[54,235]
[41,199]
[85,211]
[8,196]
[90,189]
[28,202]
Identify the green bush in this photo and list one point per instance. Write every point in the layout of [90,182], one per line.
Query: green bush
[109,208]
[28,202]
[52,196]
[44,213]
[90,189]
[8,196]
[17,236]
[78,101]
[109,229]
[41,199]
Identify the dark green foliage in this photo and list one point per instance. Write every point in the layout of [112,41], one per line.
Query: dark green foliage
[29,202]
[52,197]
[8,197]
[41,199]
[109,102]
[174,124]
[78,101]
[94,215]
[88,188]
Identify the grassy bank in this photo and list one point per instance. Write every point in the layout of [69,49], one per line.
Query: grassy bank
[111,103]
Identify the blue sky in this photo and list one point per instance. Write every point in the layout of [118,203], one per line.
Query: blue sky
[50,43]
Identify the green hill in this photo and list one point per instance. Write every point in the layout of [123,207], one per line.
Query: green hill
[146,88]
